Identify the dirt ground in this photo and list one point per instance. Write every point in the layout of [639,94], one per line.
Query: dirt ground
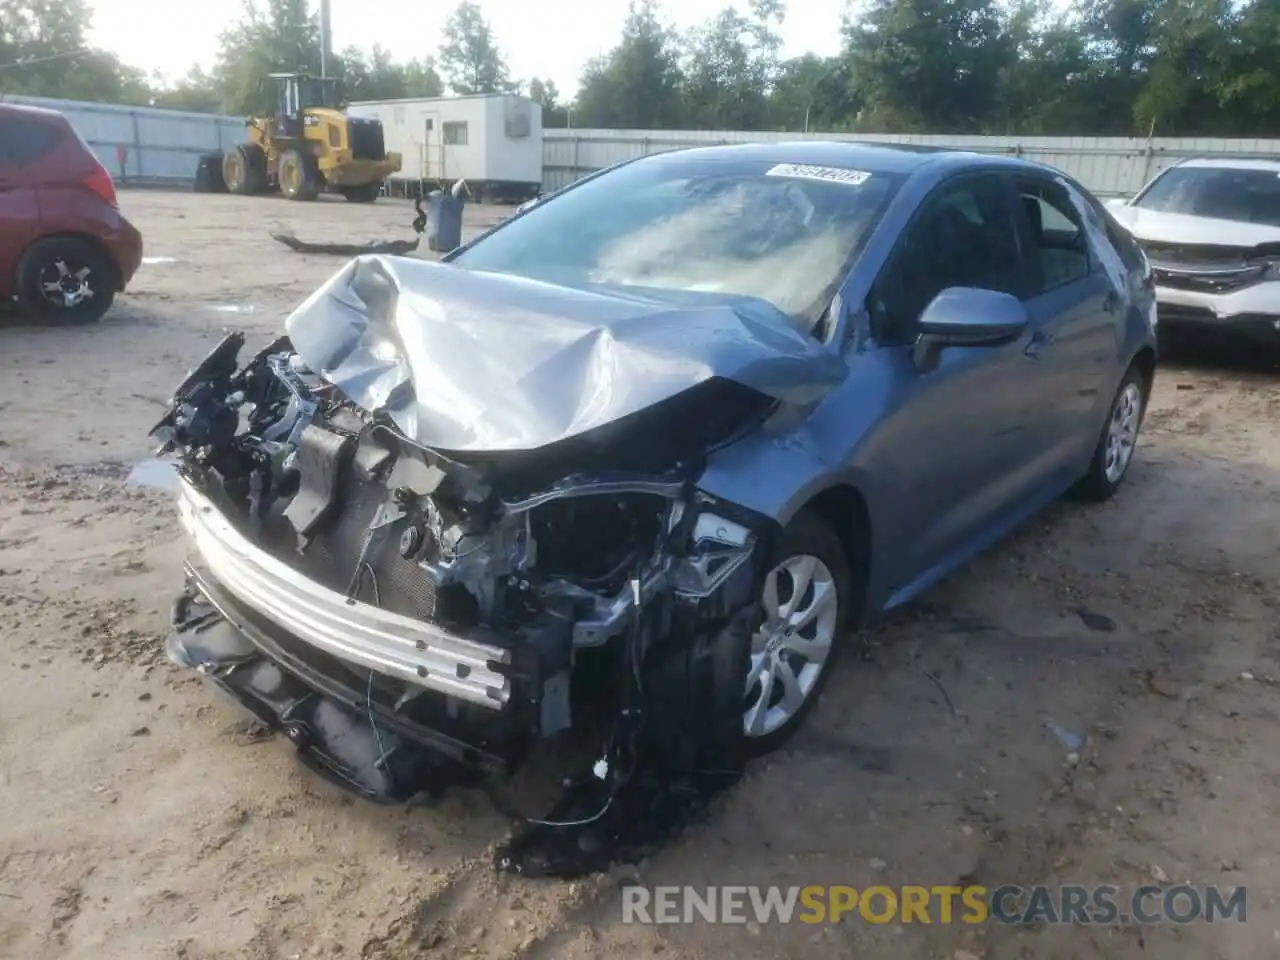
[139,820]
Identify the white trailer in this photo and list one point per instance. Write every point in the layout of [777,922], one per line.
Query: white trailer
[492,141]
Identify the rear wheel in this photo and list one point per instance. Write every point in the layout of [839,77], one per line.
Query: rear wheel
[363,194]
[65,280]
[1119,439]
[244,168]
[298,175]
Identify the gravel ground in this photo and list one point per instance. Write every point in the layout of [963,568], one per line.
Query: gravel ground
[140,818]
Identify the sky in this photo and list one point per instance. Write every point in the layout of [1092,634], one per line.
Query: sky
[543,38]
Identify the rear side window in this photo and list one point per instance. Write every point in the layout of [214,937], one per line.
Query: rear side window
[1059,250]
[24,141]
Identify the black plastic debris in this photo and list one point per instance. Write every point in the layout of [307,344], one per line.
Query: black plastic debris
[671,756]
[389,247]
[596,824]
[1096,621]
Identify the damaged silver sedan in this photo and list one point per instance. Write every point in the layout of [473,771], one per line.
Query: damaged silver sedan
[633,463]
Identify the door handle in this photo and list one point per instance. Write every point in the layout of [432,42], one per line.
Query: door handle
[1039,340]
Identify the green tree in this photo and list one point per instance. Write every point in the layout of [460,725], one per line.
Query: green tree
[280,36]
[421,79]
[545,94]
[637,84]
[813,93]
[196,91]
[1046,87]
[471,61]
[44,52]
[1181,91]
[929,65]
[1248,92]
[731,66]
[1120,40]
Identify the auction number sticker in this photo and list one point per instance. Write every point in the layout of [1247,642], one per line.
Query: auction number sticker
[806,171]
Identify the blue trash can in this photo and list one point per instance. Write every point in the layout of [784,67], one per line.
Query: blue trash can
[444,222]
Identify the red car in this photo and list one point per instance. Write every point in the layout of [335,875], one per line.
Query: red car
[65,248]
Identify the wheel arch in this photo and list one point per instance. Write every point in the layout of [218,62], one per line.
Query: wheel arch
[1144,361]
[843,507]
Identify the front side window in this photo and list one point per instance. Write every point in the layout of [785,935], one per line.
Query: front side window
[964,236]
[1241,194]
[783,233]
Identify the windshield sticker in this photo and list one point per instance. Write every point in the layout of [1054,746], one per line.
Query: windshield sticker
[805,171]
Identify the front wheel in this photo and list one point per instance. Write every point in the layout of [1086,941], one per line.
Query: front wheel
[65,280]
[298,175]
[244,169]
[807,604]
[1119,439]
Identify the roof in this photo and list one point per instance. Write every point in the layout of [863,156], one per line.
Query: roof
[1234,163]
[25,110]
[876,157]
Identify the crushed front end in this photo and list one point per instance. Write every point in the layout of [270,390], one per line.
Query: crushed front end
[410,618]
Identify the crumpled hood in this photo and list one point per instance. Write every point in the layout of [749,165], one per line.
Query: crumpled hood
[469,361]
[1154,226]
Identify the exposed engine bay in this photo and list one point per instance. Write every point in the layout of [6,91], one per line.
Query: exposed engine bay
[411,617]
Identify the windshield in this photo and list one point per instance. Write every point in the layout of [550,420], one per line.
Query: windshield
[783,233]
[1223,193]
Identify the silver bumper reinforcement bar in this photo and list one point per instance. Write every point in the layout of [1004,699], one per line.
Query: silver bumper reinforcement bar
[388,643]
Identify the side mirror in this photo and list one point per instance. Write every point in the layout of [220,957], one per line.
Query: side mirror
[1115,203]
[967,317]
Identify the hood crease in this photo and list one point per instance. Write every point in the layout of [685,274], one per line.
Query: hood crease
[468,361]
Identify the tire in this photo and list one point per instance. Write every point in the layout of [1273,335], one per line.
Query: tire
[1128,406]
[209,175]
[808,535]
[85,275]
[244,169]
[298,175]
[365,194]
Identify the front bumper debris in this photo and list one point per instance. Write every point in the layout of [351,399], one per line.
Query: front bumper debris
[410,650]
[341,730]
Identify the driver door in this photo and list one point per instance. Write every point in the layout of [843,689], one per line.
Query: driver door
[954,437]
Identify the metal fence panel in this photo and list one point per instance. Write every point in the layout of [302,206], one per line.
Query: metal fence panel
[160,146]
[1109,166]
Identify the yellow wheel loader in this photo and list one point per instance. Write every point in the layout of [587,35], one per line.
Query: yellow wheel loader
[310,146]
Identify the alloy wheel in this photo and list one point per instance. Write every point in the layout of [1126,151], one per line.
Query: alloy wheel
[1122,432]
[791,648]
[66,287]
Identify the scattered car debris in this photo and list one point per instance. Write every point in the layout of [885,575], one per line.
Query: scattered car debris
[1068,738]
[392,247]
[1096,621]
